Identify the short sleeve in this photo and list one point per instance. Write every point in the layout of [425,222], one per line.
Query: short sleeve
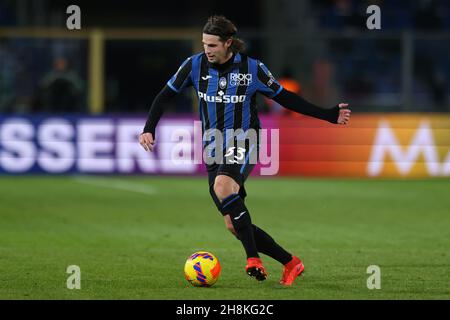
[182,78]
[267,84]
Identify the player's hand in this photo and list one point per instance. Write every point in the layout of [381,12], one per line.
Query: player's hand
[146,141]
[344,114]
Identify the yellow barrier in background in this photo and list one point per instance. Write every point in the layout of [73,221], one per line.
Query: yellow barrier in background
[96,39]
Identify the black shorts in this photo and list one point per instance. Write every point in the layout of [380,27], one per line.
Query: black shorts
[237,164]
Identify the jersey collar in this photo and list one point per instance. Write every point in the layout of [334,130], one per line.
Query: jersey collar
[234,62]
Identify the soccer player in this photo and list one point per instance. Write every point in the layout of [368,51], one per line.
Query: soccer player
[226,81]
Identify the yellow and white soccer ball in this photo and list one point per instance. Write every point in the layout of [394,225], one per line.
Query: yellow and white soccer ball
[202,269]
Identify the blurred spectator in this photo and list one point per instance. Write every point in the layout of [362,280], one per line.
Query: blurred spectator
[340,14]
[7,66]
[429,72]
[427,16]
[7,14]
[323,89]
[61,90]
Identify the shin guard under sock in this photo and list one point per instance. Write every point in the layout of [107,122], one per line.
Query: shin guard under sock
[242,223]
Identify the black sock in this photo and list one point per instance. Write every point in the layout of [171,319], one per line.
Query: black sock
[265,244]
[242,223]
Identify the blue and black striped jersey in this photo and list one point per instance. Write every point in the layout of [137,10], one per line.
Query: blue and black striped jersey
[227,94]
[226,97]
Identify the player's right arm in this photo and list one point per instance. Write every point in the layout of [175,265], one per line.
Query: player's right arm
[178,82]
[147,137]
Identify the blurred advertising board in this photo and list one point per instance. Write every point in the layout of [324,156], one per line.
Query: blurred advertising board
[373,145]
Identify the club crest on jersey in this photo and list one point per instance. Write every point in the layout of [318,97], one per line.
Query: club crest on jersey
[240,79]
[222,83]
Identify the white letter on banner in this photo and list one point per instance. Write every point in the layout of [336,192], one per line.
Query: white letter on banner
[129,149]
[386,142]
[58,154]
[19,151]
[95,145]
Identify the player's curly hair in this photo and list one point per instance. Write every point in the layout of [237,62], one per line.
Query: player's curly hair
[220,26]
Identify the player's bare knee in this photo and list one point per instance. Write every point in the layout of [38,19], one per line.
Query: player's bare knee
[221,191]
[222,188]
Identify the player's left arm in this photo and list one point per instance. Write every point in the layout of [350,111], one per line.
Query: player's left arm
[270,87]
[339,114]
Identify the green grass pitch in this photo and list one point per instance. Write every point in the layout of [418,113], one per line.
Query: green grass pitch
[130,236]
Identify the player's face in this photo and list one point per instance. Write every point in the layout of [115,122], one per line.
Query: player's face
[216,51]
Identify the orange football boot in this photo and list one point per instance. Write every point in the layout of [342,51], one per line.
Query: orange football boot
[292,270]
[255,269]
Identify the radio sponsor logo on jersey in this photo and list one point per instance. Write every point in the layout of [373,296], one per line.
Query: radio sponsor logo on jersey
[241,79]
